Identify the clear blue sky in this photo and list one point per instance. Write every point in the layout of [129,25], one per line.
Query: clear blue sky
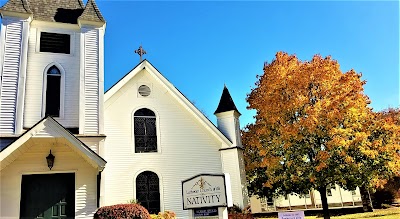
[199,46]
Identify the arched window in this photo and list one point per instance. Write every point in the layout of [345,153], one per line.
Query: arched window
[148,191]
[53,91]
[145,131]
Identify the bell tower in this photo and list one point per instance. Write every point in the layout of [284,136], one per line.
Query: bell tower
[51,63]
[232,157]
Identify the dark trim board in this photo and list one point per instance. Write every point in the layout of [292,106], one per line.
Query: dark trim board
[236,147]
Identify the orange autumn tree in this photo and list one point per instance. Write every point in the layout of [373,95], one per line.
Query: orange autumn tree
[382,166]
[309,127]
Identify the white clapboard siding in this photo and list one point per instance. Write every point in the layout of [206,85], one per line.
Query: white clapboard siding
[186,147]
[9,82]
[231,166]
[37,62]
[242,175]
[32,161]
[91,82]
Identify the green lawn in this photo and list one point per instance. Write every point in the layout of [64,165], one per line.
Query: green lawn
[391,213]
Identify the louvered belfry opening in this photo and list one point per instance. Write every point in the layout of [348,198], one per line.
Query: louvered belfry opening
[55,42]
[145,131]
[53,89]
[148,191]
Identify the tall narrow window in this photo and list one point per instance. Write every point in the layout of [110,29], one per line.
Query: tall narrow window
[53,91]
[145,131]
[148,191]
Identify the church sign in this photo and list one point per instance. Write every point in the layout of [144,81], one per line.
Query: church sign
[204,190]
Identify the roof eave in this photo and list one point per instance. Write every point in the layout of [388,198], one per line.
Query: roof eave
[228,112]
[7,151]
[6,13]
[97,24]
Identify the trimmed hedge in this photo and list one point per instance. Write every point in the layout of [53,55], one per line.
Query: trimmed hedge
[122,211]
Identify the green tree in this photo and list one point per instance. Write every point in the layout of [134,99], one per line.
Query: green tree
[310,130]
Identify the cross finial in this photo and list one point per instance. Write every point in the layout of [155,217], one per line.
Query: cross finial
[140,52]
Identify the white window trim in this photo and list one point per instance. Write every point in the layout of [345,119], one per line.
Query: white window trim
[62,89]
[150,85]
[157,130]
[71,43]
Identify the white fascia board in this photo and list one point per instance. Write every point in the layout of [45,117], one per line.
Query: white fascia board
[231,113]
[175,93]
[58,128]
[80,146]
[54,25]
[116,87]
[4,14]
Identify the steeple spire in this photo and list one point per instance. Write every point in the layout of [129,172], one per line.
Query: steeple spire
[92,12]
[226,103]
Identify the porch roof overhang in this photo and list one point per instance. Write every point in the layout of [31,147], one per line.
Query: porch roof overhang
[19,146]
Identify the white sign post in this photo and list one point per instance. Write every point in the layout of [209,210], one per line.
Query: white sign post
[291,215]
[205,193]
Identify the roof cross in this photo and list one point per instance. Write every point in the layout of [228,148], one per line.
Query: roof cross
[140,52]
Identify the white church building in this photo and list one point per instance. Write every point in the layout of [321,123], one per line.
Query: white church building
[68,147]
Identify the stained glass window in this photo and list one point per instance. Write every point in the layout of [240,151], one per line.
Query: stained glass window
[145,131]
[148,191]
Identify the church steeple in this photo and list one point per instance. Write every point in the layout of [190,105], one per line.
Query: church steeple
[226,103]
[228,118]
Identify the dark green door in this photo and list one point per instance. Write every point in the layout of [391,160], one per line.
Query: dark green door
[48,196]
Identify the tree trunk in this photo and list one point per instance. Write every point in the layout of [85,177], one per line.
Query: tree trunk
[324,200]
[365,198]
[312,198]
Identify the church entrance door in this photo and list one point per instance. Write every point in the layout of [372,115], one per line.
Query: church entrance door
[48,196]
[148,191]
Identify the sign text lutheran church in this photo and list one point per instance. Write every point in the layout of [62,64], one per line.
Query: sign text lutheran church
[206,191]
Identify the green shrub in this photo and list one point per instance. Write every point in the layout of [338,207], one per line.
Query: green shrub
[133,201]
[122,211]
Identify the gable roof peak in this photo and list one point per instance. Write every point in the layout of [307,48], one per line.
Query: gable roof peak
[91,12]
[226,102]
[172,90]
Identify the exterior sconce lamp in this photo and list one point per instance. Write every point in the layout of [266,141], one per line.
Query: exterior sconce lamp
[50,160]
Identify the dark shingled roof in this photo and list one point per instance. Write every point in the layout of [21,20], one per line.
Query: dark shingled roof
[91,12]
[64,11]
[21,6]
[226,103]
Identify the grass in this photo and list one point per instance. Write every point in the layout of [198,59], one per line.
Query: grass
[390,213]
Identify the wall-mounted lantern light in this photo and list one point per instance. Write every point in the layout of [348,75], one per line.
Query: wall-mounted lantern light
[50,160]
